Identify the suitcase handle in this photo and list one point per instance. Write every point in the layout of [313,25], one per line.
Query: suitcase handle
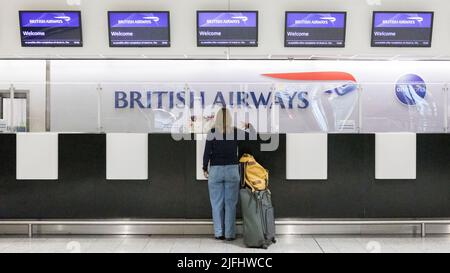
[242,170]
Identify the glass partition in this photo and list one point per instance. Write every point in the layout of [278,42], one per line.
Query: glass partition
[74,107]
[184,96]
[22,107]
[388,107]
[447,102]
[191,107]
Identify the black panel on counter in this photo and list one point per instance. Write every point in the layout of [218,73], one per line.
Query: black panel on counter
[167,196]
[9,193]
[197,201]
[340,196]
[432,193]
[82,173]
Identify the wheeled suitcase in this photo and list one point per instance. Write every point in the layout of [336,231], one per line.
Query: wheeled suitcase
[257,215]
[258,218]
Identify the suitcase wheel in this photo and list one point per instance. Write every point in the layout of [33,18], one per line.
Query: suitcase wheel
[274,240]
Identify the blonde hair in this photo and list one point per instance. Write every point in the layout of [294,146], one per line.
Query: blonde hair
[224,121]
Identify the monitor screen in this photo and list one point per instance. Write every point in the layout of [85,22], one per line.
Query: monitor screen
[402,29]
[315,29]
[50,28]
[139,29]
[227,28]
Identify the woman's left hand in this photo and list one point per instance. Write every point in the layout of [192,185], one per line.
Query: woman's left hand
[246,125]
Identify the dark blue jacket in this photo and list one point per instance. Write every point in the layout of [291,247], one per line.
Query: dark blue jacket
[226,149]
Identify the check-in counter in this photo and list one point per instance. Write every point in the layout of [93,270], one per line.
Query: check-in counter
[153,176]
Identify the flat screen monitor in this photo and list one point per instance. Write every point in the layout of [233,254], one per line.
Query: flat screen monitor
[227,28]
[50,28]
[315,29]
[139,29]
[402,29]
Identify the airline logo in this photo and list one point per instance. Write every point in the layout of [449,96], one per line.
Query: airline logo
[407,21]
[227,19]
[127,19]
[297,99]
[242,18]
[315,20]
[417,18]
[331,19]
[152,18]
[233,20]
[403,20]
[411,90]
[144,20]
[322,21]
[54,20]
[330,76]
[50,19]
[65,18]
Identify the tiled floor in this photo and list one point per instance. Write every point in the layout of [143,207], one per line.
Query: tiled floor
[204,244]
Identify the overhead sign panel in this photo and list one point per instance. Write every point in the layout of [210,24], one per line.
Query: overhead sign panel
[50,28]
[402,29]
[139,29]
[315,29]
[227,28]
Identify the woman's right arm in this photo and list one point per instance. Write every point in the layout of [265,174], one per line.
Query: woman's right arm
[244,145]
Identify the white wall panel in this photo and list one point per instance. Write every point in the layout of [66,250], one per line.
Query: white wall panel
[37,156]
[127,156]
[200,144]
[395,156]
[307,156]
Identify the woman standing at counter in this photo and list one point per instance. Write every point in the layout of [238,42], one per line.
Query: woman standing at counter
[222,151]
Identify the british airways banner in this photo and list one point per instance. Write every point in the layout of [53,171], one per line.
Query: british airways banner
[275,96]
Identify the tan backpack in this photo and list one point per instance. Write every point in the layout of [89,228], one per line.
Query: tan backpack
[254,176]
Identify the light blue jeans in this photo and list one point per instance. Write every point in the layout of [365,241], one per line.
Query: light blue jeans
[223,184]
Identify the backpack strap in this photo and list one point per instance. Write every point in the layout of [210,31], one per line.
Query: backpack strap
[244,179]
[250,185]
